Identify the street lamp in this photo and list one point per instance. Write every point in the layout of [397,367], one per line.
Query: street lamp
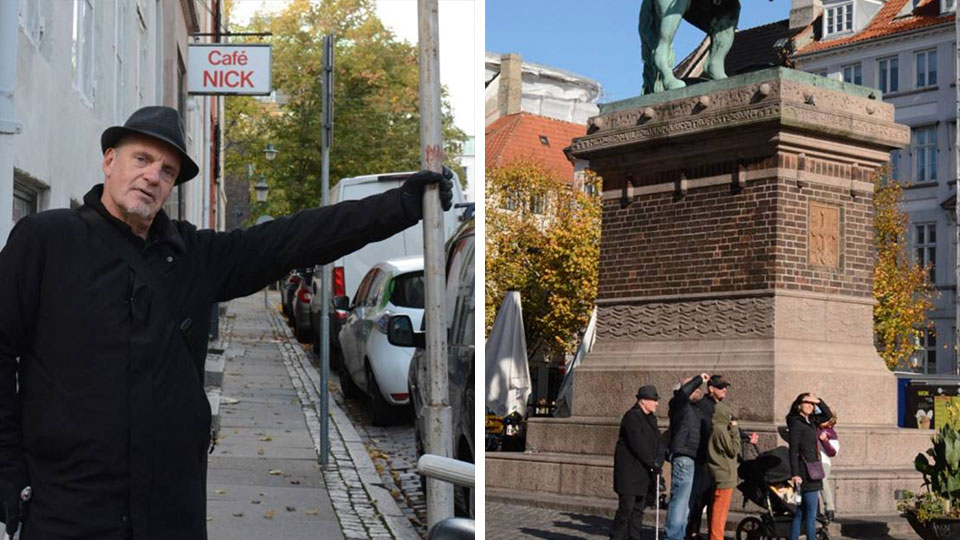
[261,189]
[270,152]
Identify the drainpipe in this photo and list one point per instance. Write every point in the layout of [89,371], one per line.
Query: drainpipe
[9,37]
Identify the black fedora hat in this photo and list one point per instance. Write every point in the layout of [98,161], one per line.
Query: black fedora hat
[161,123]
[648,392]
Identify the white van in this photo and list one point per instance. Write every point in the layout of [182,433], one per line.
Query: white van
[350,269]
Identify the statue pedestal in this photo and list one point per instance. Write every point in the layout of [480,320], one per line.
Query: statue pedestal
[737,239]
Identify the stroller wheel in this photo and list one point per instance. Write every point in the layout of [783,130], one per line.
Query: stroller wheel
[822,534]
[750,528]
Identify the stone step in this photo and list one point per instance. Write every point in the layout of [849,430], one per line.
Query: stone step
[866,527]
[213,370]
[859,490]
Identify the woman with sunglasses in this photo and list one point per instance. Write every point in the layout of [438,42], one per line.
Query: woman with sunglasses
[806,414]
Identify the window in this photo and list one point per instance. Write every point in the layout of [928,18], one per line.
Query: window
[852,74]
[926,68]
[895,164]
[926,247]
[406,290]
[32,21]
[925,359]
[838,19]
[120,14]
[83,48]
[26,201]
[948,6]
[364,287]
[925,153]
[888,72]
[537,203]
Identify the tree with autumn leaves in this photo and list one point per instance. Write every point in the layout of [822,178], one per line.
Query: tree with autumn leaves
[543,240]
[901,287]
[376,104]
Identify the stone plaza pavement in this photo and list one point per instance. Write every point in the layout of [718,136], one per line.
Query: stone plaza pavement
[510,520]
[264,478]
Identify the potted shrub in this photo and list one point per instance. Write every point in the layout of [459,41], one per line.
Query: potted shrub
[935,515]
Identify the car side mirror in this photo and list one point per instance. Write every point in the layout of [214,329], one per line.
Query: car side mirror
[341,302]
[400,333]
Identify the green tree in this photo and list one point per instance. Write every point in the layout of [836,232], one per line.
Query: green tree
[543,240]
[376,116]
[901,287]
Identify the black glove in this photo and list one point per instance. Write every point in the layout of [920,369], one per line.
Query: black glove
[411,192]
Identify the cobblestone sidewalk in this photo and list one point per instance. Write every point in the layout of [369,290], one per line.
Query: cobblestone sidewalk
[271,432]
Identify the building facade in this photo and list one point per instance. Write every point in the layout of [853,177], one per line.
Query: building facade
[84,65]
[906,50]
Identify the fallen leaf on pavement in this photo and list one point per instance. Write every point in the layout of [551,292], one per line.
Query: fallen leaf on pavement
[295,482]
[266,438]
[276,472]
[291,509]
[221,491]
[312,512]
[269,514]
[254,502]
[260,451]
[238,514]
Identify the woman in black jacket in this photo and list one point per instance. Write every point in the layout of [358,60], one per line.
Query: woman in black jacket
[806,413]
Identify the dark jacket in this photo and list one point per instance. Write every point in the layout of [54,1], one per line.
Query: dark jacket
[110,424]
[638,454]
[684,421]
[704,409]
[803,445]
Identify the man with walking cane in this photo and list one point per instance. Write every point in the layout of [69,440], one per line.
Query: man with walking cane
[636,463]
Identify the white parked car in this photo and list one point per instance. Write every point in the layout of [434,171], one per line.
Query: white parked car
[371,365]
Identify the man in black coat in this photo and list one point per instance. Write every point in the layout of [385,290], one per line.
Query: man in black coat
[104,312]
[636,463]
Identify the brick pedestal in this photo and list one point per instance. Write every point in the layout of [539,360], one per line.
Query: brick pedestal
[737,239]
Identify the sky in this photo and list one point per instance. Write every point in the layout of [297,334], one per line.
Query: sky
[596,39]
[458,48]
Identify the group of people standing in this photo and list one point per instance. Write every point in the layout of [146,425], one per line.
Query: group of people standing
[705,445]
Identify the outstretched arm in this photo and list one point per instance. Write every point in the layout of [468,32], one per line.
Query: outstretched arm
[247,260]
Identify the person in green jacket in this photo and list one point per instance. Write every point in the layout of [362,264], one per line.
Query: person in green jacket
[723,454]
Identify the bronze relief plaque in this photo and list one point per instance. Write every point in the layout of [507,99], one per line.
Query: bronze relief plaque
[824,239]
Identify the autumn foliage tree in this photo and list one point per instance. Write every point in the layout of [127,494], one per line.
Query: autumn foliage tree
[901,287]
[375,103]
[543,240]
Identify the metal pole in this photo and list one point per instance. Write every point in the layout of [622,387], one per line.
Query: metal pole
[438,414]
[325,281]
[9,36]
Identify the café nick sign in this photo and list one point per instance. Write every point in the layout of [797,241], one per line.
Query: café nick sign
[217,68]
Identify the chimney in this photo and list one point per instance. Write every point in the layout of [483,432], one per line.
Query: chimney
[511,84]
[803,13]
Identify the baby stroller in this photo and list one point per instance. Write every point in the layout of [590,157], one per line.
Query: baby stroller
[766,484]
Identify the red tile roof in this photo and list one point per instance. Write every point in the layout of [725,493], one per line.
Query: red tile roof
[885,23]
[517,136]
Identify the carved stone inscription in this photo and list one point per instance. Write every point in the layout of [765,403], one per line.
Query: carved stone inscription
[824,240]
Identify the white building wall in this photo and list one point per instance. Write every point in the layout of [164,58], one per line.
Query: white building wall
[59,148]
[917,107]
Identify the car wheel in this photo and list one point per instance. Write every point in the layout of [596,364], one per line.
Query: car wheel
[381,410]
[350,390]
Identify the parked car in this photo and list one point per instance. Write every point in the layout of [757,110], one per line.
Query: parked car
[300,318]
[350,269]
[371,365]
[460,312]
[288,289]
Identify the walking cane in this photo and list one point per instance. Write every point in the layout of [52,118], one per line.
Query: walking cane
[656,508]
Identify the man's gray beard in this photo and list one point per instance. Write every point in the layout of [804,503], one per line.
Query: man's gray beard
[140,210]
